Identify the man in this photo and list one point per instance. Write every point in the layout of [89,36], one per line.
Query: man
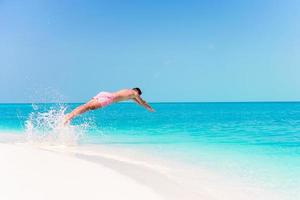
[105,98]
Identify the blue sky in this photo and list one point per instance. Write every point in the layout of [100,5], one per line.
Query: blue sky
[210,50]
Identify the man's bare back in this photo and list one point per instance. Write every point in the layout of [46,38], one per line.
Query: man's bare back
[105,98]
[123,95]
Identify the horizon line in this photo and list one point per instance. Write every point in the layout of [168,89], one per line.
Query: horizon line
[166,102]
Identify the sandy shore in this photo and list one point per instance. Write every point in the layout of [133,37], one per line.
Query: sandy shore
[31,173]
[41,172]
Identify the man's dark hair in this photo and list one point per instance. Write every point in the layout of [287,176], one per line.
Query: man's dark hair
[138,90]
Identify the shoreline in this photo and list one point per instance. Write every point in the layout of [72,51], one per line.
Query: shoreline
[172,178]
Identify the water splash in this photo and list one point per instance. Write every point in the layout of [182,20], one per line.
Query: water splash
[48,128]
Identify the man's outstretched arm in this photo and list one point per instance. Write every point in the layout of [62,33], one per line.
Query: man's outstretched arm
[143,103]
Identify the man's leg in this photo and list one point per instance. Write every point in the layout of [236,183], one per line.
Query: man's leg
[91,105]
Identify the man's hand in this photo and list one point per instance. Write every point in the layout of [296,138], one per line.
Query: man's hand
[150,109]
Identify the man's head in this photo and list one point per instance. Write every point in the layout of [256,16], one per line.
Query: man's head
[138,90]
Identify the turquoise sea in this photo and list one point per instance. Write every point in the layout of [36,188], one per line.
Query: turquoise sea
[256,142]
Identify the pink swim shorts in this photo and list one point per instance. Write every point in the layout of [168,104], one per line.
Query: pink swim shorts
[104,98]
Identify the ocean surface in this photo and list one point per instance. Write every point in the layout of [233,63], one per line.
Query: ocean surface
[256,142]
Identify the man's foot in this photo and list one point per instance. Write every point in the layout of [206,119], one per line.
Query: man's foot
[67,118]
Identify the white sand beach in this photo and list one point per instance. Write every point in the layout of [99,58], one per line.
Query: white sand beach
[30,173]
[33,171]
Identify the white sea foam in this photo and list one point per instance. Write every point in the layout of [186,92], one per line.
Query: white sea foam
[48,128]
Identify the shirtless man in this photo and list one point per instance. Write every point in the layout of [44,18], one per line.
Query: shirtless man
[105,98]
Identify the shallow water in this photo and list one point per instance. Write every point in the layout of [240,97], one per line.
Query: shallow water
[256,142]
